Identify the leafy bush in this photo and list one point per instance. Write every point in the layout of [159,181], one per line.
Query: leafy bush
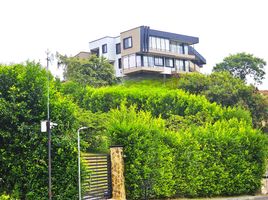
[160,102]
[224,158]
[224,89]
[148,161]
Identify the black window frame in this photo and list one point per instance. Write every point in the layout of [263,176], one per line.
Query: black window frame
[158,58]
[171,66]
[118,48]
[124,43]
[104,48]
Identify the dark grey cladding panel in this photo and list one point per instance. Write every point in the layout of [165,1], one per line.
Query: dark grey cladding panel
[144,31]
[174,36]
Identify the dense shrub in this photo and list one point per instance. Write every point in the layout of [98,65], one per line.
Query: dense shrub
[148,162]
[224,89]
[23,148]
[160,102]
[224,158]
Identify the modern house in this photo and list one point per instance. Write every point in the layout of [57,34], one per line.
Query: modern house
[143,49]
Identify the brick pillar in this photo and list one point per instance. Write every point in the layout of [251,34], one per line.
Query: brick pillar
[117,172]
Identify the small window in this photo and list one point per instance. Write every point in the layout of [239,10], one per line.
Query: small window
[159,61]
[119,63]
[127,43]
[104,48]
[118,48]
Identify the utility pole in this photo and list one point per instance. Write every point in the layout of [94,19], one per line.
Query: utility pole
[48,132]
[46,126]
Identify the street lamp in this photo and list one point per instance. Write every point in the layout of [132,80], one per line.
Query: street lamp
[78,146]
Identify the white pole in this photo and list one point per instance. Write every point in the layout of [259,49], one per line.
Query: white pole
[79,171]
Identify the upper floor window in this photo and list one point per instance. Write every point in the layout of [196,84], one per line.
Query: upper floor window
[157,43]
[118,48]
[104,48]
[186,49]
[127,42]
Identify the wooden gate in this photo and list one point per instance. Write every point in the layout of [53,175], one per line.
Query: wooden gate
[97,182]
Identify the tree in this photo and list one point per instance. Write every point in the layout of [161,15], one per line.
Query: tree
[93,71]
[242,65]
[224,89]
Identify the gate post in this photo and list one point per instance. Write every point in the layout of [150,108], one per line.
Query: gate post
[117,172]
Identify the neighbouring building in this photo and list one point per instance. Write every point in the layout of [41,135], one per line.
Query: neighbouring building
[143,49]
[83,55]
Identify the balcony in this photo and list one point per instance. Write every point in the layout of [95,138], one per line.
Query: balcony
[143,69]
[172,54]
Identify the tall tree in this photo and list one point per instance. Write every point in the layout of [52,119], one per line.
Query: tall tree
[92,71]
[242,65]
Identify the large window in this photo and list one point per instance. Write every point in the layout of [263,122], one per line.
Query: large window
[131,61]
[104,48]
[118,48]
[160,44]
[158,61]
[127,43]
[180,65]
[148,61]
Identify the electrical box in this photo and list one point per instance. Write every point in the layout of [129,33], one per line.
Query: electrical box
[44,126]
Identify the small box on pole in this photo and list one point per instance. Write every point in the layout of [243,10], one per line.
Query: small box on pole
[44,126]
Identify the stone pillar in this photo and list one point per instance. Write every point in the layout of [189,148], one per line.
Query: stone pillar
[264,188]
[117,172]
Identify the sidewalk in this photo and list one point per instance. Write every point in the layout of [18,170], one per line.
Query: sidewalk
[260,197]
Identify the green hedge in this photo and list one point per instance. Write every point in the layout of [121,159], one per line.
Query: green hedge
[148,162]
[23,148]
[224,158]
[160,102]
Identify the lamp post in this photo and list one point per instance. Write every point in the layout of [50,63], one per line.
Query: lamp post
[79,171]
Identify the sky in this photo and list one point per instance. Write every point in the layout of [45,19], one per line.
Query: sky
[29,27]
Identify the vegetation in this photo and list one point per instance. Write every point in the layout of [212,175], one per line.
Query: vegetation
[23,148]
[224,158]
[184,131]
[242,65]
[223,89]
[92,71]
[177,143]
[159,101]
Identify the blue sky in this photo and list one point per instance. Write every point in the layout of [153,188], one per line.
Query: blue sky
[30,27]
